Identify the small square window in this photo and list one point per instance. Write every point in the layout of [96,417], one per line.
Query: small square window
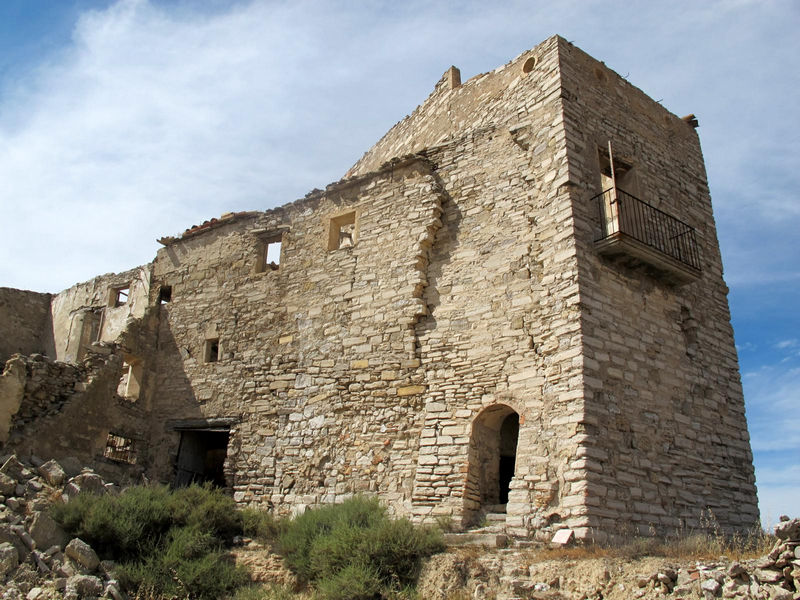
[118,296]
[164,294]
[342,231]
[211,352]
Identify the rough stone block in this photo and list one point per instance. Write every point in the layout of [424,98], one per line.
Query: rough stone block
[46,532]
[82,553]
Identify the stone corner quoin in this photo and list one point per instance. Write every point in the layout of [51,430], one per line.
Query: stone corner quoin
[512,303]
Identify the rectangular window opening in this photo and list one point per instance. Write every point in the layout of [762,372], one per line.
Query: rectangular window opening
[120,449]
[165,294]
[131,380]
[342,231]
[269,253]
[623,173]
[272,255]
[118,296]
[212,351]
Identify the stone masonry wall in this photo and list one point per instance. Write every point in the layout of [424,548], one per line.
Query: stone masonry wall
[24,323]
[317,357]
[503,326]
[668,436]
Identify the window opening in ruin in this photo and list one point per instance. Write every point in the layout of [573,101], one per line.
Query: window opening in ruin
[119,296]
[342,231]
[130,380]
[623,173]
[120,449]
[165,294]
[492,461]
[201,457]
[269,254]
[211,352]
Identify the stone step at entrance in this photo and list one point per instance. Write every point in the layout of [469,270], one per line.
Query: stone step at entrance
[491,533]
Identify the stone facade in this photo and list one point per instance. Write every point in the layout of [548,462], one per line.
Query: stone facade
[451,326]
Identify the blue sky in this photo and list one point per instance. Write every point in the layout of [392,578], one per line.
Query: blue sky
[121,122]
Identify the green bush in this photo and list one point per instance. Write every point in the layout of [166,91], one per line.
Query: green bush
[260,525]
[353,582]
[354,550]
[208,508]
[167,543]
[120,527]
[264,592]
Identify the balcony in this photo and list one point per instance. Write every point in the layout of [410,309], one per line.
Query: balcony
[633,228]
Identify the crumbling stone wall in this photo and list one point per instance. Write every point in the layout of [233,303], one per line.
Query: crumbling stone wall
[24,323]
[92,311]
[67,410]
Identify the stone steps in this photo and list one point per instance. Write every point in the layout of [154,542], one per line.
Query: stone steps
[492,534]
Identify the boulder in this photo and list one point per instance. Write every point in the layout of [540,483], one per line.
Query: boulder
[46,532]
[53,473]
[9,559]
[15,469]
[788,530]
[82,553]
[8,485]
[90,483]
[85,585]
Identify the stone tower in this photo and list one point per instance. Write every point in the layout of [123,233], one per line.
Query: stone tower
[514,298]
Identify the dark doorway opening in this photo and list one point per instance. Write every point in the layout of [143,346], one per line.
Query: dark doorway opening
[509,434]
[201,457]
[492,461]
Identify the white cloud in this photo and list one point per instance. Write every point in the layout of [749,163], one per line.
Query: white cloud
[774,501]
[160,116]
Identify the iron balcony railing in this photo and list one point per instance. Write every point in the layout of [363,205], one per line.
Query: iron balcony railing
[622,213]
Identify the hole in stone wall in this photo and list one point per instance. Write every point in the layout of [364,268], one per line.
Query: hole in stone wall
[492,460]
[530,64]
[120,449]
[509,434]
[269,253]
[130,381]
[118,296]
[211,351]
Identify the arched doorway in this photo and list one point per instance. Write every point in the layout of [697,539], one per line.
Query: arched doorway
[492,459]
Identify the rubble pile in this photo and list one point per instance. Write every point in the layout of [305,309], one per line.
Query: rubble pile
[775,576]
[513,574]
[38,560]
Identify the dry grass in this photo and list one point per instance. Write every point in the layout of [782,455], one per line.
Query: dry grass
[697,546]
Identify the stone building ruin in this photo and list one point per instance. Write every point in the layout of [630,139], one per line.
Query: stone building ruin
[514,298]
